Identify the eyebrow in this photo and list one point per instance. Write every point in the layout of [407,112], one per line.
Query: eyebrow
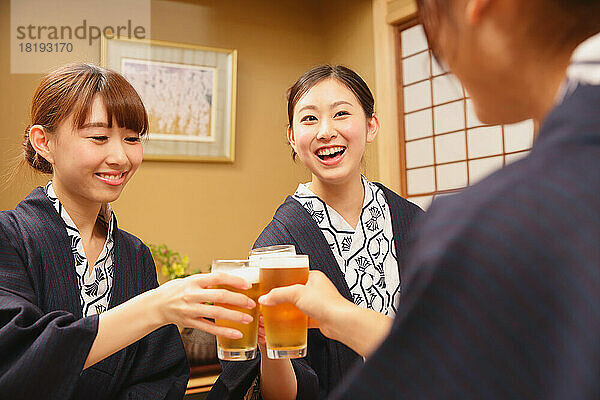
[95,125]
[332,106]
[309,107]
[339,103]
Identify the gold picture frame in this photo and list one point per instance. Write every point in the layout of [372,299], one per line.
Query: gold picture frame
[189,92]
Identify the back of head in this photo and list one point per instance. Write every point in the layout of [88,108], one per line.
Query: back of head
[546,22]
[70,90]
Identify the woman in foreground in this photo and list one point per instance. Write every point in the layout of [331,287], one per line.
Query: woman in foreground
[81,316]
[503,279]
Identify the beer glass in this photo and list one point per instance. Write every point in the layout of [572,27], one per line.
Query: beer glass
[277,249]
[244,348]
[285,326]
[270,251]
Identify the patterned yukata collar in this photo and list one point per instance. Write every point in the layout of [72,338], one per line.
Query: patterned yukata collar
[584,68]
[365,254]
[95,281]
[106,215]
[303,190]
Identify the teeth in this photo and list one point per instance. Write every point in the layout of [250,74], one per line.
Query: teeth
[329,150]
[111,177]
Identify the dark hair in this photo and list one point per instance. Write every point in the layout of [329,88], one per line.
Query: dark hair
[70,90]
[558,22]
[342,74]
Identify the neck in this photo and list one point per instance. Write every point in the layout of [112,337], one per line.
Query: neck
[346,197]
[548,88]
[540,75]
[83,213]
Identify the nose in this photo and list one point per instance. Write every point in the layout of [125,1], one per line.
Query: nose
[326,131]
[117,156]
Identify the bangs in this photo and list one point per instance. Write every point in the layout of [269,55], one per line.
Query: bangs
[122,102]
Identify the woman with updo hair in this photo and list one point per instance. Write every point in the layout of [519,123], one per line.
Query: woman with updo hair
[81,313]
[355,231]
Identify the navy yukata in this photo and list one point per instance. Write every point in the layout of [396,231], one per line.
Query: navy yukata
[44,338]
[327,360]
[501,293]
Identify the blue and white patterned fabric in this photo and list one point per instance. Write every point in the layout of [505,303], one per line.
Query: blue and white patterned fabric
[366,254]
[95,284]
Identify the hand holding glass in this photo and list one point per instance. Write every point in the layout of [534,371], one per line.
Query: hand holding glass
[245,347]
[285,326]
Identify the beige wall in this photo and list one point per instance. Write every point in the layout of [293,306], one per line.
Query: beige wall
[217,210]
[349,41]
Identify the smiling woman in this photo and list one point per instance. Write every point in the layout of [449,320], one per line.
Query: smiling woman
[78,296]
[52,105]
[109,152]
[353,230]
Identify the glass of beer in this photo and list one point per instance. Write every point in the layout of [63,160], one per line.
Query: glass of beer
[270,250]
[285,326]
[244,348]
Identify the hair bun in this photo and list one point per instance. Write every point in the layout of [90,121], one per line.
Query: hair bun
[33,158]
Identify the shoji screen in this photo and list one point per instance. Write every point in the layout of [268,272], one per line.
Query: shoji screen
[444,147]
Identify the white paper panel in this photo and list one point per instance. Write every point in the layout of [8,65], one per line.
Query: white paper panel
[420,180]
[479,169]
[452,176]
[418,124]
[415,68]
[518,136]
[510,158]
[417,96]
[484,141]
[472,119]
[413,40]
[449,117]
[450,147]
[419,153]
[446,88]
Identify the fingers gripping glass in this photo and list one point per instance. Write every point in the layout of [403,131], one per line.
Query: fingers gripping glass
[244,348]
[285,325]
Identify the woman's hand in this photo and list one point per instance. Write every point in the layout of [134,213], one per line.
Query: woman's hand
[184,302]
[180,301]
[277,377]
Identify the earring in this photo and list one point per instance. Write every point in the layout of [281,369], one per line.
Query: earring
[35,159]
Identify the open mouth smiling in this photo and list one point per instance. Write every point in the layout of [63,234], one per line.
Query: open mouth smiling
[327,153]
[112,178]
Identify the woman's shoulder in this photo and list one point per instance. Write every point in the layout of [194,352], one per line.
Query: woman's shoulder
[286,210]
[279,229]
[291,214]
[395,201]
[34,213]
[130,241]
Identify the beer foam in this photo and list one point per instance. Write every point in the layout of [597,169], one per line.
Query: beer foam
[284,261]
[254,259]
[250,274]
[279,248]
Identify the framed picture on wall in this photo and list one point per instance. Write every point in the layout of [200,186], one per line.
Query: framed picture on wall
[189,92]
